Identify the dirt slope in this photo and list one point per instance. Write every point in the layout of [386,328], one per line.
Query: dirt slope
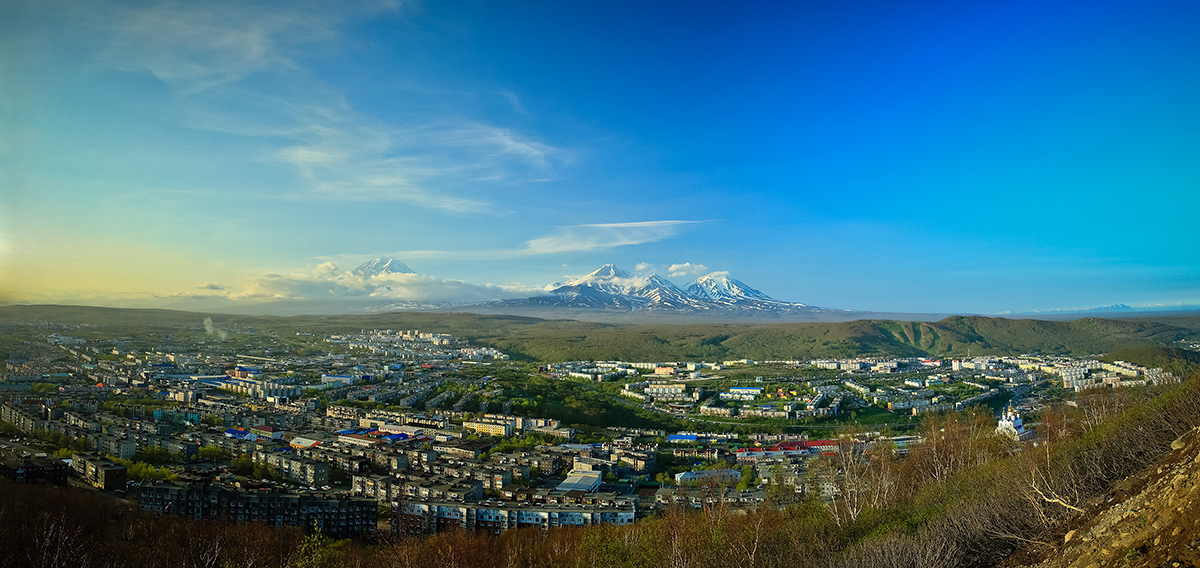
[1150,521]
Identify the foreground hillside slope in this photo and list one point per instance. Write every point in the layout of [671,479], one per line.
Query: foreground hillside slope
[1151,520]
[558,340]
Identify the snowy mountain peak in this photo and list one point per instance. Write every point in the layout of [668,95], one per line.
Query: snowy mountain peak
[656,280]
[605,273]
[610,288]
[719,286]
[382,265]
[653,284]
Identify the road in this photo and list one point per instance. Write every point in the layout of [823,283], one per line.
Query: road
[19,447]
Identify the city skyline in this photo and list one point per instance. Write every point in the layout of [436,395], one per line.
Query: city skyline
[996,157]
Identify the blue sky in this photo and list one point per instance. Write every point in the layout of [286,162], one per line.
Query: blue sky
[925,156]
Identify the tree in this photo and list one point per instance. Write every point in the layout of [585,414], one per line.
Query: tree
[247,466]
[953,442]
[213,454]
[143,470]
[317,551]
[863,473]
[10,429]
[779,492]
[212,420]
[747,477]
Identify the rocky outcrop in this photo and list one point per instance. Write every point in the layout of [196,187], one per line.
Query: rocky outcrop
[1150,521]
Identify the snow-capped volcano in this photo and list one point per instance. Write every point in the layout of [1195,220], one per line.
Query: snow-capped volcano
[607,278]
[381,265]
[719,287]
[610,288]
[661,293]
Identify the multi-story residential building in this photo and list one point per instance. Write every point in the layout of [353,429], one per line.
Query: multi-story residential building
[564,433]
[372,486]
[18,469]
[336,516]
[709,410]
[171,445]
[488,427]
[295,468]
[862,390]
[417,518]
[81,421]
[463,448]
[694,497]
[390,459]
[23,416]
[429,487]
[343,461]
[98,471]
[123,448]
[602,466]
[266,431]
[343,412]
[635,461]
[491,476]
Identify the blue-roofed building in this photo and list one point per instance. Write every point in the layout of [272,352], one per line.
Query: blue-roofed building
[746,390]
[241,434]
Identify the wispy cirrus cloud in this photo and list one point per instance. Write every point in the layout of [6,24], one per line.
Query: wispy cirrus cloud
[348,157]
[566,239]
[198,46]
[243,68]
[600,236]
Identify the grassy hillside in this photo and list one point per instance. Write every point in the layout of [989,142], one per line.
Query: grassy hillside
[457,324]
[557,340]
[1189,320]
[954,336]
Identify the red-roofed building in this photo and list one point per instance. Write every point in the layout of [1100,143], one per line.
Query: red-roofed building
[826,447]
[265,431]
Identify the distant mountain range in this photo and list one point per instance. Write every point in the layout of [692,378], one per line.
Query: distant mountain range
[609,288]
[1072,312]
[608,294]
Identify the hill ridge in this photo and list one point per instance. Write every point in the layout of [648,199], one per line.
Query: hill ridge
[556,340]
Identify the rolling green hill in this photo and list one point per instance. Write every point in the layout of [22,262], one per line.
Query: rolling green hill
[558,340]
[953,336]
